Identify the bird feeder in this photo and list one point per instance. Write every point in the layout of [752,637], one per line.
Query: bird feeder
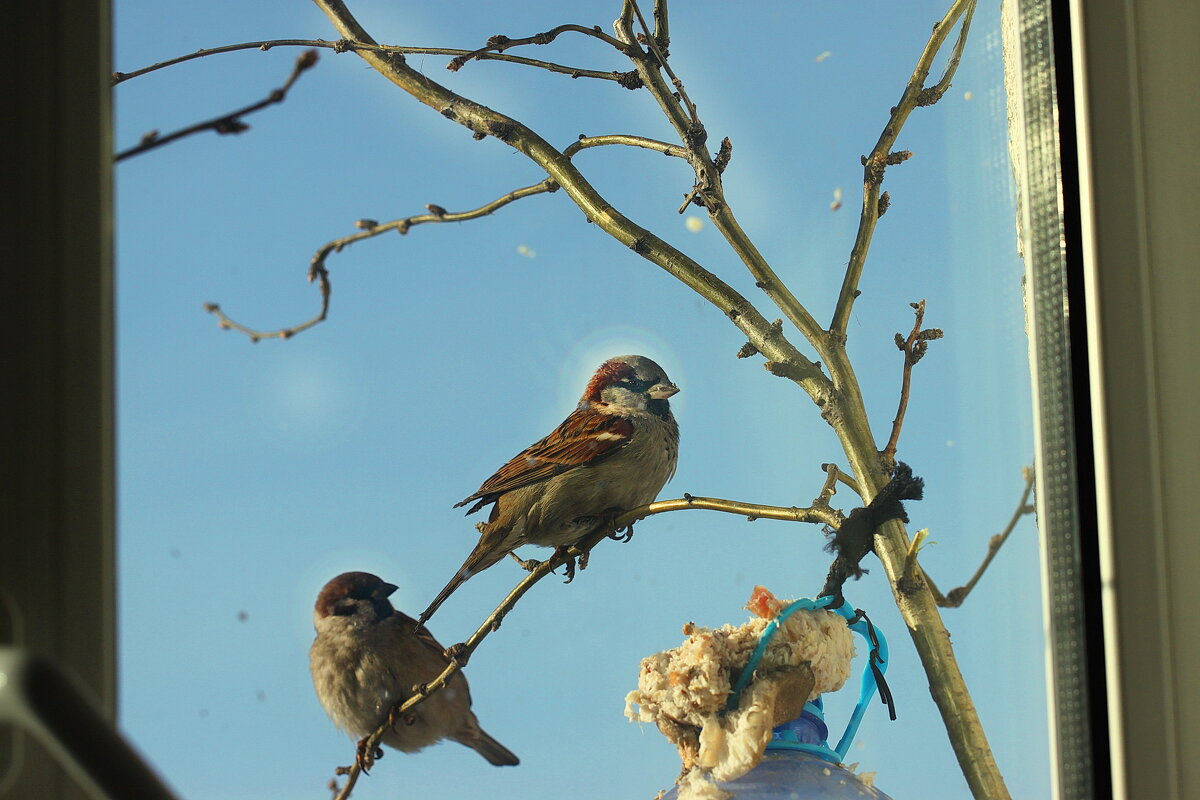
[743,703]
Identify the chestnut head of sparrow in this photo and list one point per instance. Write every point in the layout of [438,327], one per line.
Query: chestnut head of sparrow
[613,453]
[368,656]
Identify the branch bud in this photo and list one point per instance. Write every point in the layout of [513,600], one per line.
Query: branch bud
[747,351]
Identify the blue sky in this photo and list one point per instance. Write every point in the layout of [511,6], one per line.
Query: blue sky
[250,474]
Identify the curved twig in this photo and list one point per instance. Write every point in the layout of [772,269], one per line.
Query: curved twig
[318,272]
[955,597]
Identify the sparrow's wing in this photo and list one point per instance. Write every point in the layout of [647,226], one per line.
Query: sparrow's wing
[585,437]
[408,625]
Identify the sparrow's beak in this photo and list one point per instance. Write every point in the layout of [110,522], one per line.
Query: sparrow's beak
[385,590]
[662,391]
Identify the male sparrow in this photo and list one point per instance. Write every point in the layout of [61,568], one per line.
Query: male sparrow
[613,453]
[368,656]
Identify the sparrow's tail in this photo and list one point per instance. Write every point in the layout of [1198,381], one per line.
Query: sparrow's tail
[490,549]
[459,579]
[478,740]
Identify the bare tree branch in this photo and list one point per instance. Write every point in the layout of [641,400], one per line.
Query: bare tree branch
[819,512]
[651,41]
[345,46]
[955,597]
[665,148]
[121,77]
[881,156]
[499,43]
[914,347]
[226,123]
[318,272]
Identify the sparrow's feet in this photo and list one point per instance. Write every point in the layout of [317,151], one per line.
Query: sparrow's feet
[569,563]
[530,564]
[527,564]
[622,534]
[618,534]
[366,756]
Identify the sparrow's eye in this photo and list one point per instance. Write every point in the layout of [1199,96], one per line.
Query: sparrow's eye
[343,609]
[635,385]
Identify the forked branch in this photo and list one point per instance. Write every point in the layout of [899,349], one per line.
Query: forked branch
[913,347]
[881,156]
[708,190]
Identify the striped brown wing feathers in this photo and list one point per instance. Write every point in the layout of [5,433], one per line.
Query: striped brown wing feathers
[584,437]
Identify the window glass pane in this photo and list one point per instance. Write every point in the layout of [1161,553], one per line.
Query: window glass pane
[251,474]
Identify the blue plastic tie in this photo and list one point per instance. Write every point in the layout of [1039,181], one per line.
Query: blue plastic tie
[877,656]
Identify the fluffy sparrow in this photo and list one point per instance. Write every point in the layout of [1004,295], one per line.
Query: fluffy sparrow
[367,656]
[614,452]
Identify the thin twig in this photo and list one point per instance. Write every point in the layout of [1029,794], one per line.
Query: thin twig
[955,597]
[348,46]
[318,272]
[499,43]
[226,123]
[913,347]
[121,77]
[666,148]
[660,14]
[881,156]
[460,654]
[815,513]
